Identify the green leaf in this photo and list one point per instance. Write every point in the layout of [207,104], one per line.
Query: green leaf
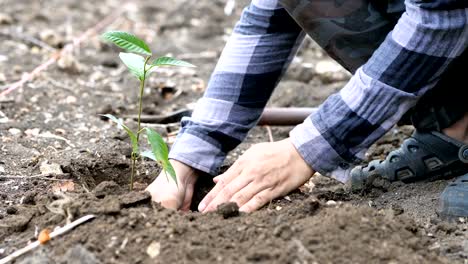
[127,42]
[135,64]
[133,137]
[160,152]
[168,61]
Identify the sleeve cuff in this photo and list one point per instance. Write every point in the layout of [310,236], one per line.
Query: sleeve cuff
[197,153]
[318,153]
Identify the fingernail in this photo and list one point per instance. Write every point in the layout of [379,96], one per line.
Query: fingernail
[201,207]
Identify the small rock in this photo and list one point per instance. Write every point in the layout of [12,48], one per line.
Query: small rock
[2,169]
[32,132]
[29,198]
[278,208]
[71,99]
[228,210]
[3,118]
[69,64]
[79,254]
[5,19]
[11,210]
[52,168]
[97,76]
[3,78]
[107,187]
[52,38]
[331,203]
[17,69]
[14,131]
[154,249]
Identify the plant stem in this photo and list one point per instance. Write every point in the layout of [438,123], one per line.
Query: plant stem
[133,172]
[140,109]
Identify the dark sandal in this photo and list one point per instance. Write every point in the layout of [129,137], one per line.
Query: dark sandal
[454,199]
[422,157]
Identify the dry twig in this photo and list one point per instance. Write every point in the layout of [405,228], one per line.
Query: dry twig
[270,134]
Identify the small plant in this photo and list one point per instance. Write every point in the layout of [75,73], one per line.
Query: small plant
[140,66]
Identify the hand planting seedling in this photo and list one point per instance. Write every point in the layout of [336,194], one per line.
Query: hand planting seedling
[140,66]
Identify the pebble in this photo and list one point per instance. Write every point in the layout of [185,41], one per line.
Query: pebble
[228,210]
[5,19]
[69,64]
[71,99]
[331,203]
[2,169]
[11,210]
[52,38]
[52,168]
[154,249]
[32,132]
[3,78]
[14,131]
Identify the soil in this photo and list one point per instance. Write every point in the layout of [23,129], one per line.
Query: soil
[60,161]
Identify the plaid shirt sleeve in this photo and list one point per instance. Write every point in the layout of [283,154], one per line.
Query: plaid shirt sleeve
[262,44]
[426,39]
[428,36]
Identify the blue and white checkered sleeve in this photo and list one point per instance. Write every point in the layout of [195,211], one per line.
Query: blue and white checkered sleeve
[426,39]
[261,46]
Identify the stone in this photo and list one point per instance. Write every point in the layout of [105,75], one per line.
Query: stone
[52,168]
[154,249]
[15,131]
[52,38]
[6,19]
[228,210]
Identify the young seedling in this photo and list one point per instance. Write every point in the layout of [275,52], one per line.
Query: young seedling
[137,59]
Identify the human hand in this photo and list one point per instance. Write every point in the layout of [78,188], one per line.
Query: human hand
[170,195]
[264,172]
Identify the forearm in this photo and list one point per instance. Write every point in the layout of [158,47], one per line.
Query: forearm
[262,45]
[427,38]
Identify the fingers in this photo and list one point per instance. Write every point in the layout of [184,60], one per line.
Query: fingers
[234,187]
[223,180]
[246,194]
[258,201]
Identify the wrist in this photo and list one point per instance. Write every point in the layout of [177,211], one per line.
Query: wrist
[183,171]
[297,157]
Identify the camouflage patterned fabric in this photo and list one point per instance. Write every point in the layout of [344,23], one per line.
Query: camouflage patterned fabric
[349,30]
